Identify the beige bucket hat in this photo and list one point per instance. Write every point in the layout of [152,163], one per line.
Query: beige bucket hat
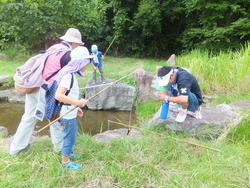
[72,35]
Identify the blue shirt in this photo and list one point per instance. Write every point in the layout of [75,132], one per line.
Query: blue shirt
[97,60]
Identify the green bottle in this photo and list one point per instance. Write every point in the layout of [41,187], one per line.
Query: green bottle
[156,86]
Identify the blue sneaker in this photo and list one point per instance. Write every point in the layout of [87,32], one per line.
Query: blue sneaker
[72,166]
[74,156]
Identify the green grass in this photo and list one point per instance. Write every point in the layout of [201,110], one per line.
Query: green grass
[9,67]
[115,68]
[241,133]
[14,52]
[227,99]
[226,73]
[146,110]
[155,160]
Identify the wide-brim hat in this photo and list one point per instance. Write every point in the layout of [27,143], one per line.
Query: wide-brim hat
[80,52]
[72,35]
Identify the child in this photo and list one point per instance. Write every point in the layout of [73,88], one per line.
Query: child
[97,62]
[67,81]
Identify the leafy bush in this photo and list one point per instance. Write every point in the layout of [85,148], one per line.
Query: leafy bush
[15,51]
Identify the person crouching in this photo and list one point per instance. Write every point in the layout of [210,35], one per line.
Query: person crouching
[184,90]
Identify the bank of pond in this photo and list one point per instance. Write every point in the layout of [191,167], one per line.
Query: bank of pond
[93,122]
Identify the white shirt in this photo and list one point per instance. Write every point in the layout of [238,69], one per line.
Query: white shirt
[74,94]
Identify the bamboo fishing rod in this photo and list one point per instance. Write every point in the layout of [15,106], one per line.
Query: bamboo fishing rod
[90,98]
[179,140]
[109,46]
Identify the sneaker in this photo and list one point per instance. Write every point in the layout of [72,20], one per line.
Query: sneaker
[192,114]
[181,115]
[196,114]
[72,166]
[74,156]
[21,150]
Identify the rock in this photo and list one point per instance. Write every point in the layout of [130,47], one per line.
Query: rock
[143,81]
[3,56]
[171,60]
[5,144]
[214,120]
[12,96]
[110,135]
[208,98]
[243,105]
[3,78]
[3,132]
[118,97]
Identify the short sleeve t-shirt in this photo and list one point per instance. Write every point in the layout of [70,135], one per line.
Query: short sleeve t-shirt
[187,83]
[74,94]
[97,60]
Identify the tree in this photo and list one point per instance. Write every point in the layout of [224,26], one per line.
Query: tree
[216,25]
[151,28]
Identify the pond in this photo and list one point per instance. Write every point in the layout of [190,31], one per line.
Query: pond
[92,122]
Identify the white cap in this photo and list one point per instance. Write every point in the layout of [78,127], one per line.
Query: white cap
[72,35]
[164,80]
[94,48]
[80,52]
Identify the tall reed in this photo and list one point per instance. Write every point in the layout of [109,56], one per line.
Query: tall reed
[222,73]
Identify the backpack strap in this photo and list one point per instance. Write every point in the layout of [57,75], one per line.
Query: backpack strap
[52,75]
[71,84]
[67,92]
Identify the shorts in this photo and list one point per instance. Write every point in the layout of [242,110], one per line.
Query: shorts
[97,64]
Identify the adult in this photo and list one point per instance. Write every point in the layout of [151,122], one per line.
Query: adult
[184,90]
[35,102]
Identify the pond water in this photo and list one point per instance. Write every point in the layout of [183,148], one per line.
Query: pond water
[92,122]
